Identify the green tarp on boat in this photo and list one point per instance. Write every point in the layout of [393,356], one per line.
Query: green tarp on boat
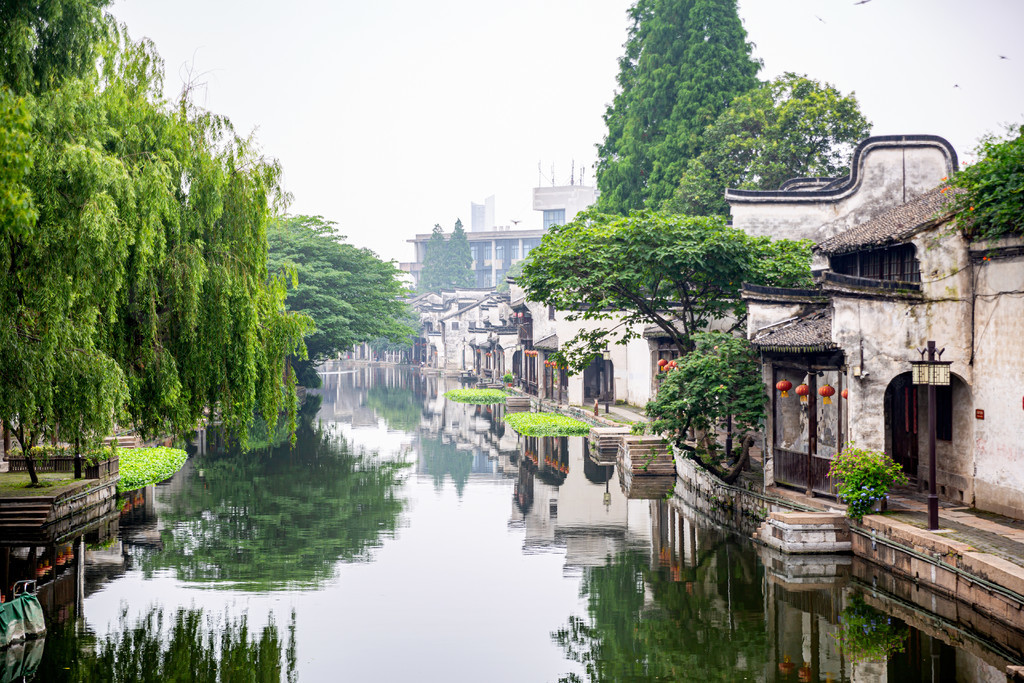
[21,618]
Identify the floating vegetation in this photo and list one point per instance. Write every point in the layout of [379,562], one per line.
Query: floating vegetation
[546,424]
[144,466]
[479,396]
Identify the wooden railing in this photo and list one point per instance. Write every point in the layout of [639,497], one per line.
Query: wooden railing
[62,463]
[791,470]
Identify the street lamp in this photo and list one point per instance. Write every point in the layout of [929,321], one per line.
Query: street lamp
[933,373]
[606,379]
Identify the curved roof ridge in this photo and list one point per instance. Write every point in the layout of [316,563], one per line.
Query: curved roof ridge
[841,187]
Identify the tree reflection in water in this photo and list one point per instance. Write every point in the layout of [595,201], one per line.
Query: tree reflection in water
[399,407]
[700,621]
[190,646]
[277,519]
[441,457]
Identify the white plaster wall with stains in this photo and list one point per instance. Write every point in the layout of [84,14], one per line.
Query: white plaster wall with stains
[999,383]
[890,174]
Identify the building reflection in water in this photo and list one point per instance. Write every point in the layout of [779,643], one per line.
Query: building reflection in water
[672,595]
[566,502]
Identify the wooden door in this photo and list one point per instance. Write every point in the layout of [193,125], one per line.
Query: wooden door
[901,406]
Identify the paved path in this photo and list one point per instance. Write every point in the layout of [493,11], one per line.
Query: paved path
[989,533]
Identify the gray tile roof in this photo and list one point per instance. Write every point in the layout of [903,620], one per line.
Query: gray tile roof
[893,226]
[655,331]
[808,334]
[548,343]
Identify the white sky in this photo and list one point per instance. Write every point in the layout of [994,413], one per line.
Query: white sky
[389,116]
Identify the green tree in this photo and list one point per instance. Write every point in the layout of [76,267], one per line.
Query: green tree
[989,203]
[684,62]
[350,294]
[43,44]
[717,385]
[448,262]
[435,253]
[133,269]
[791,127]
[679,273]
[460,258]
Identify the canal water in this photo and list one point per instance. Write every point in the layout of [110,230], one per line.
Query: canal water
[408,538]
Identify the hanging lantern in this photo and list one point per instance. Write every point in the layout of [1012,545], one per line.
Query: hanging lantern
[826,392]
[804,674]
[803,391]
[784,386]
[671,365]
[786,666]
[845,393]
[662,363]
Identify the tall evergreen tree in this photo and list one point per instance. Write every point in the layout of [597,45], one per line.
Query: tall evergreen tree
[684,62]
[433,256]
[448,262]
[460,258]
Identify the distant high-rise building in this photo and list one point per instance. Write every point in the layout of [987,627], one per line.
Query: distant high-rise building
[560,204]
[496,249]
[482,215]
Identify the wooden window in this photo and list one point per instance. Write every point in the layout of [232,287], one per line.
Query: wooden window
[944,413]
[898,263]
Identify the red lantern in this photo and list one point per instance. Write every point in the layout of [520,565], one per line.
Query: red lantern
[662,363]
[804,674]
[784,386]
[786,666]
[826,392]
[803,391]
[846,393]
[671,365]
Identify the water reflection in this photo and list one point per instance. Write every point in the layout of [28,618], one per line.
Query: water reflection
[190,645]
[663,615]
[495,545]
[278,518]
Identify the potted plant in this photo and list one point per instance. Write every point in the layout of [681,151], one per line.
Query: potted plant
[864,477]
[508,377]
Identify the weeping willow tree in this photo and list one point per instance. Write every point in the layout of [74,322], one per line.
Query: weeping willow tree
[133,247]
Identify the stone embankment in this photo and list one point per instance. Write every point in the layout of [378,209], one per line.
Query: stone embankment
[972,569]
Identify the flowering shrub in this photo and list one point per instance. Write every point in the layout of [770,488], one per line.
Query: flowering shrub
[862,477]
[865,634]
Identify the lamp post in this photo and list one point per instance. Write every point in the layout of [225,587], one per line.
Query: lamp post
[606,379]
[933,373]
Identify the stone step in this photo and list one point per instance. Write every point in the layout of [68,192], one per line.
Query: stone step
[28,521]
[646,456]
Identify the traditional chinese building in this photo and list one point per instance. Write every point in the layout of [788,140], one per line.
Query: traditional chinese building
[891,274]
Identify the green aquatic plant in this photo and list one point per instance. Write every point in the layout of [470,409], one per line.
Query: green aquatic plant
[144,466]
[546,424]
[479,396]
